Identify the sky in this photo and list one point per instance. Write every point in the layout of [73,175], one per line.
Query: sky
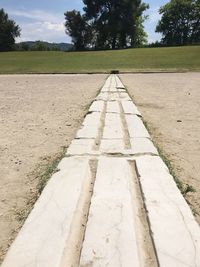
[44,19]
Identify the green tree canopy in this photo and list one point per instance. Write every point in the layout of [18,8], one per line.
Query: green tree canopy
[8,32]
[180,22]
[78,28]
[108,24]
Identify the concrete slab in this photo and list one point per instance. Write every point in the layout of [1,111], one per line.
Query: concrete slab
[46,234]
[136,127]
[110,238]
[175,232]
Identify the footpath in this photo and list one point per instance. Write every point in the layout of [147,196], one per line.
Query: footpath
[112,203]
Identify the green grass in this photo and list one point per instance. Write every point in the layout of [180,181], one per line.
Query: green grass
[143,59]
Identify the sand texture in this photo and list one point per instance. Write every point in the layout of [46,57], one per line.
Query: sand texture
[39,114]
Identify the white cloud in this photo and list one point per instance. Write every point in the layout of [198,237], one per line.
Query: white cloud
[36,14]
[41,25]
[46,31]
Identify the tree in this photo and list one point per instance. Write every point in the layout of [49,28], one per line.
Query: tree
[24,47]
[115,21]
[40,46]
[140,35]
[8,32]
[78,28]
[108,24]
[180,22]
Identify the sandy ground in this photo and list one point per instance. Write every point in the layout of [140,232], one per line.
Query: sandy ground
[38,116]
[170,103]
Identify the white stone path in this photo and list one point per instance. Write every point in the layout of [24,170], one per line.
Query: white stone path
[112,203]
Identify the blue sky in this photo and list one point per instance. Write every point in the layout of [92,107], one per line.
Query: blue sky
[43,19]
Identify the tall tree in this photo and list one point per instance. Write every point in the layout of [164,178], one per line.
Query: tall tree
[115,21]
[107,24]
[180,22]
[8,32]
[78,28]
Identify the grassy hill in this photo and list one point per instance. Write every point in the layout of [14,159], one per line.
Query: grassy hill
[143,59]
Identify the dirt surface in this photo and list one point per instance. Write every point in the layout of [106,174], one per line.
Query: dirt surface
[170,104]
[39,114]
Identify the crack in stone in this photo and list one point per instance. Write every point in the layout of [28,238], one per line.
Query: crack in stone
[185,224]
[101,129]
[71,255]
[93,163]
[127,143]
[146,247]
[114,154]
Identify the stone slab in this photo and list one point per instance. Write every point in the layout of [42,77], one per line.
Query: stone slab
[119,84]
[113,119]
[80,146]
[136,127]
[109,89]
[42,240]
[108,81]
[113,97]
[113,127]
[112,132]
[113,107]
[103,96]
[130,108]
[97,106]
[121,90]
[124,96]
[88,132]
[92,119]
[108,96]
[175,232]
[110,238]
[112,146]
[142,146]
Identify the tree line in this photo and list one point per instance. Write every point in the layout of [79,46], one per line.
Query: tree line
[107,24]
[117,24]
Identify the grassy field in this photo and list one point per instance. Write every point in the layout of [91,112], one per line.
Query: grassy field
[143,59]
